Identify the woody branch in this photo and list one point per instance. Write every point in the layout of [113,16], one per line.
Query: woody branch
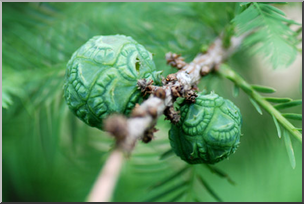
[179,84]
[141,124]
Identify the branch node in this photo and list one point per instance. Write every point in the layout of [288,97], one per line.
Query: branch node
[205,70]
[176,91]
[145,86]
[172,115]
[160,93]
[175,60]
[138,111]
[171,78]
[190,96]
[117,126]
[149,134]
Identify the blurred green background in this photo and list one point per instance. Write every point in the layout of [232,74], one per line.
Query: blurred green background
[50,155]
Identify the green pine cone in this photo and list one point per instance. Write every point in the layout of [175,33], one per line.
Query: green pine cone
[101,77]
[209,130]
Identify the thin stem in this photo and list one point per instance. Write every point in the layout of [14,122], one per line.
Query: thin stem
[228,73]
[105,183]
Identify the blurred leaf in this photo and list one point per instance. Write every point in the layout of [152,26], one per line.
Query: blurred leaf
[11,86]
[6,100]
[166,154]
[245,3]
[277,100]
[208,188]
[289,104]
[277,126]
[169,191]
[178,196]
[263,89]
[292,116]
[215,20]
[269,33]
[256,106]
[220,173]
[236,90]
[289,148]
[170,178]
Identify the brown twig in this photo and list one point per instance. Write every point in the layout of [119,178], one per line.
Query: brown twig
[144,117]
